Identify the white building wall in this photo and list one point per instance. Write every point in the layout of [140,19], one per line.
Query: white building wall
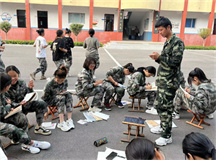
[70,9]
[98,15]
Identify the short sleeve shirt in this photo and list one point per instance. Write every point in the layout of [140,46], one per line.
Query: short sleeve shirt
[40,51]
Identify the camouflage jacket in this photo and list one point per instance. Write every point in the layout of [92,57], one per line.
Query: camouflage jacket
[4,107]
[204,100]
[182,79]
[136,84]
[84,81]
[170,63]
[52,89]
[17,92]
[117,74]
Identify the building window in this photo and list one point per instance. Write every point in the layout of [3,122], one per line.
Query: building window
[190,23]
[76,18]
[214,28]
[109,22]
[21,18]
[42,19]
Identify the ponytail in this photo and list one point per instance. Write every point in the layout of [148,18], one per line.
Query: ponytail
[67,31]
[61,72]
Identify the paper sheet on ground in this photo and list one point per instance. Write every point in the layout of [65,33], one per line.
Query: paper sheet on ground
[49,125]
[103,155]
[124,102]
[154,123]
[89,117]
[101,115]
[81,121]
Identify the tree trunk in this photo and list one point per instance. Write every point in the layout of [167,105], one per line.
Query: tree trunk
[6,37]
[76,39]
[203,42]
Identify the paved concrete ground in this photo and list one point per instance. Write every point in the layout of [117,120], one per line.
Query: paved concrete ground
[78,143]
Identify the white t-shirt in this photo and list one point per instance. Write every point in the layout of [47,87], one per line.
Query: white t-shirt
[40,51]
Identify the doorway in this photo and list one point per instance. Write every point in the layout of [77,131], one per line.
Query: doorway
[108,22]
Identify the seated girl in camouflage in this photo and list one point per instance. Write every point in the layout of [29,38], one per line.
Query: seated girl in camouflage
[203,100]
[16,126]
[86,86]
[16,95]
[137,85]
[55,94]
[114,81]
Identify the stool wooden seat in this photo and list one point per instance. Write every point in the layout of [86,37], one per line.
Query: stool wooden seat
[52,111]
[199,119]
[82,102]
[138,108]
[137,125]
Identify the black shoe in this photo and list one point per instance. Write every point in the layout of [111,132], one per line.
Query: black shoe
[120,105]
[42,130]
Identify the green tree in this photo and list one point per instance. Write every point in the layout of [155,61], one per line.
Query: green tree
[76,29]
[5,26]
[204,33]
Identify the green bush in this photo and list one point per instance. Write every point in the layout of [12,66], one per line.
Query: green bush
[201,47]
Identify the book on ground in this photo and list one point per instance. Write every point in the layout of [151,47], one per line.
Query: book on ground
[16,110]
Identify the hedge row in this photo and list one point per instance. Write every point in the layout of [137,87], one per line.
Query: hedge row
[200,47]
[32,42]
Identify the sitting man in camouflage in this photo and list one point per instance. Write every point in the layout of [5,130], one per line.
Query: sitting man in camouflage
[15,127]
[137,85]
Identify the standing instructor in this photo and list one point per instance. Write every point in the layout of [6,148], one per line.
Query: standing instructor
[167,79]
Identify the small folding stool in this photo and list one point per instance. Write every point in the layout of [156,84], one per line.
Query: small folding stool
[52,111]
[82,102]
[136,108]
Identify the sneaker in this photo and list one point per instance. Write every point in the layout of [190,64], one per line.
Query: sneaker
[120,105]
[63,126]
[70,123]
[152,111]
[94,109]
[32,76]
[210,116]
[175,115]
[30,148]
[2,155]
[41,144]
[42,130]
[107,107]
[156,130]
[42,78]
[163,141]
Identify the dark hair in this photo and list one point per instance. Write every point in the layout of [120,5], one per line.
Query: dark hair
[140,149]
[59,33]
[197,144]
[197,72]
[12,68]
[91,32]
[61,72]
[151,69]
[164,22]
[130,67]
[5,80]
[67,31]
[40,31]
[87,62]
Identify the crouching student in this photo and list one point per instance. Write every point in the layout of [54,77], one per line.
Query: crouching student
[113,83]
[16,94]
[86,86]
[203,100]
[137,85]
[55,94]
[15,127]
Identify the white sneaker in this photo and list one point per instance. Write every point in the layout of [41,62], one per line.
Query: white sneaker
[156,130]
[94,109]
[63,126]
[210,116]
[41,144]
[163,141]
[30,148]
[70,123]
[152,111]
[175,115]
[2,155]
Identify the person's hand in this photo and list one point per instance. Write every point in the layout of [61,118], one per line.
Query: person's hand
[46,115]
[31,84]
[187,96]
[187,90]
[116,83]
[11,109]
[148,86]
[154,55]
[8,101]
[23,103]
[63,91]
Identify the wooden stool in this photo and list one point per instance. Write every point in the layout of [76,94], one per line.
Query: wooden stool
[52,111]
[133,105]
[82,102]
[133,123]
[199,119]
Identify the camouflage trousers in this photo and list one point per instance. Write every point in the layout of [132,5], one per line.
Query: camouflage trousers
[2,65]
[96,57]
[39,107]
[97,92]
[59,63]
[61,101]
[110,90]
[16,128]
[150,96]
[43,66]
[178,101]
[68,61]
[164,106]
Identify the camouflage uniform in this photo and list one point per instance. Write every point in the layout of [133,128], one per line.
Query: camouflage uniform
[2,65]
[53,96]
[16,94]
[118,75]
[136,88]
[43,66]
[14,127]
[85,87]
[167,81]
[59,63]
